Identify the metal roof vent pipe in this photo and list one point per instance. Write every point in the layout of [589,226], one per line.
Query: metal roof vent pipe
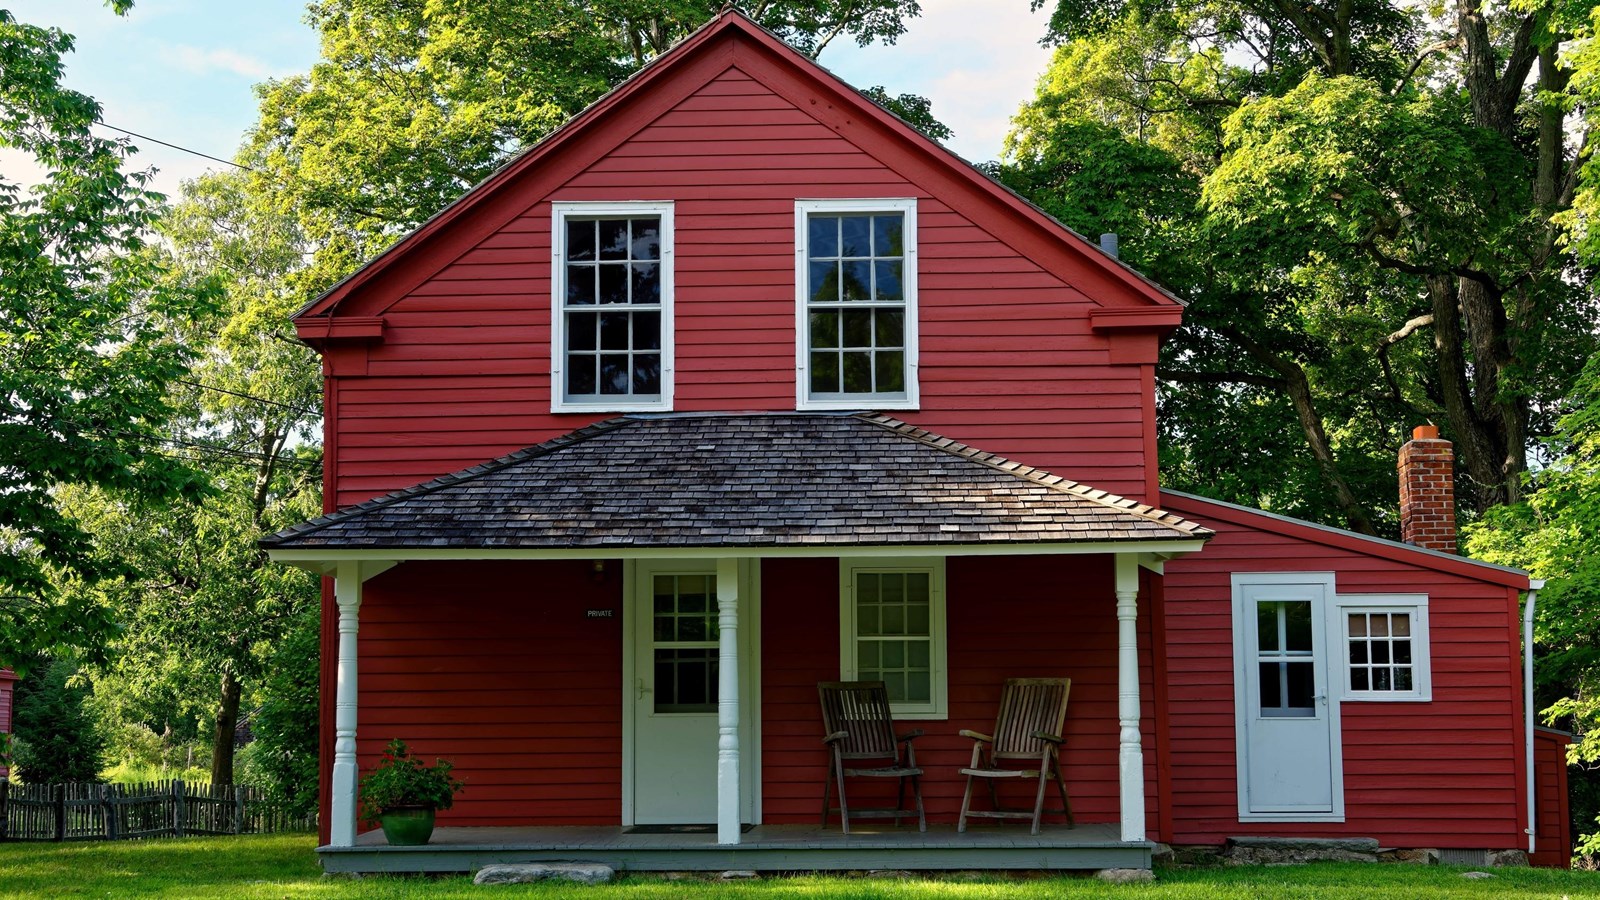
[1108,244]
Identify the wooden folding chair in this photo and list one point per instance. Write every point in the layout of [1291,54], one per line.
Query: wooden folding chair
[856,720]
[1032,714]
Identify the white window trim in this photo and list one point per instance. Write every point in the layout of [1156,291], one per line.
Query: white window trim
[939,707]
[1421,656]
[560,211]
[908,280]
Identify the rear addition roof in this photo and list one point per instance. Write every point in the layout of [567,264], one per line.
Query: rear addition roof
[751,480]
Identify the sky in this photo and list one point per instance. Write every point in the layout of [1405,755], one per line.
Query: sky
[183,71]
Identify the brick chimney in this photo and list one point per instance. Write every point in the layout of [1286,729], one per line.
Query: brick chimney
[1428,491]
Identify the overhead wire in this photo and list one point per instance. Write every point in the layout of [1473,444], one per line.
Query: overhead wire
[146,137]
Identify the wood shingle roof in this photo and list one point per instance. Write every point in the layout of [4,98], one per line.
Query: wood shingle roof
[741,480]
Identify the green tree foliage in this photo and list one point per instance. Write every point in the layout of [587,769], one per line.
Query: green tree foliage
[1554,533]
[284,755]
[206,609]
[87,345]
[1357,199]
[415,101]
[56,738]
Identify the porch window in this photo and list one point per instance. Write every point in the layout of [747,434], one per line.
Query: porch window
[892,616]
[611,324]
[856,280]
[1386,647]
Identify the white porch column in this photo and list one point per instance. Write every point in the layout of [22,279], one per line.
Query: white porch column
[347,591]
[728,824]
[1130,751]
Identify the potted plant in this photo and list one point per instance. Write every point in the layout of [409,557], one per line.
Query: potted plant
[403,793]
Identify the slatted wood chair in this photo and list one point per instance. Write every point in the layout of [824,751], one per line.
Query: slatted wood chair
[858,727]
[1032,713]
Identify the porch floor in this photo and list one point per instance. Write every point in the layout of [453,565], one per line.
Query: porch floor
[766,848]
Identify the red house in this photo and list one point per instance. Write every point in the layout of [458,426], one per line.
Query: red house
[8,681]
[679,414]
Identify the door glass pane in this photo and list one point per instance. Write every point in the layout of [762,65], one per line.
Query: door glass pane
[1297,616]
[685,628]
[1267,626]
[1284,641]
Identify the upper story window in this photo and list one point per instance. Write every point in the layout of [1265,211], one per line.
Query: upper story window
[856,280]
[611,322]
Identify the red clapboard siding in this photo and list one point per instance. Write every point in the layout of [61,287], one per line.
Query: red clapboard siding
[1553,846]
[494,666]
[1008,360]
[7,687]
[1017,617]
[1441,774]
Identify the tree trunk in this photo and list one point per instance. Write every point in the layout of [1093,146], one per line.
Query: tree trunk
[222,740]
[1298,388]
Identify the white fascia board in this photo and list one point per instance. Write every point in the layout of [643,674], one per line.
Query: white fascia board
[313,556]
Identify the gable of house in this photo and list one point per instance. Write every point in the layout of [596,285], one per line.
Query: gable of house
[1024,339]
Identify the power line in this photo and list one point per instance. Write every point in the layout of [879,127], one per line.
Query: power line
[210,387]
[146,137]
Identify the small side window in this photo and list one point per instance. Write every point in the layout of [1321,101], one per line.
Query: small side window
[1385,647]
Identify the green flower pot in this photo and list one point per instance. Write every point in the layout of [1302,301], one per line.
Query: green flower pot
[407,826]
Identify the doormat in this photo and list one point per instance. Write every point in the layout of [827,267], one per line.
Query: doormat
[679,829]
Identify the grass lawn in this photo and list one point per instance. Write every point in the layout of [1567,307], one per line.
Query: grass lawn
[283,866]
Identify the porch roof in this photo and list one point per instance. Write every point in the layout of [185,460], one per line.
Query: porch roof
[780,480]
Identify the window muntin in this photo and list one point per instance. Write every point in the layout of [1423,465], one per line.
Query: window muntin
[856,291]
[1385,648]
[892,630]
[612,317]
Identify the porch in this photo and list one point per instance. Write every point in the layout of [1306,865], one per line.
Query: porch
[480,610]
[764,848]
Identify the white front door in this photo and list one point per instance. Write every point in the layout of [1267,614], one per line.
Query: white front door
[672,620]
[1289,767]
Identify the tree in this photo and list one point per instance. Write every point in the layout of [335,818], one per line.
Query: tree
[414,102]
[1554,533]
[1373,241]
[206,609]
[87,345]
[286,722]
[56,738]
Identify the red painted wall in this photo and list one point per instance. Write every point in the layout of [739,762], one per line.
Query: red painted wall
[495,666]
[7,688]
[1015,617]
[1446,773]
[1553,846]
[1008,360]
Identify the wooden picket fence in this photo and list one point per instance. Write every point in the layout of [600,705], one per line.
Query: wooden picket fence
[113,812]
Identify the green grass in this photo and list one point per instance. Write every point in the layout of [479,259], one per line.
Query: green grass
[283,867]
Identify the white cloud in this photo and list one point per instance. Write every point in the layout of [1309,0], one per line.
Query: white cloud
[977,63]
[203,62]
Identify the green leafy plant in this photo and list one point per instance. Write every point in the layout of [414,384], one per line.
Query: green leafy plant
[402,780]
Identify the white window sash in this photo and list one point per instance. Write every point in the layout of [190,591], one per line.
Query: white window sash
[803,209]
[937,708]
[1414,605]
[561,211]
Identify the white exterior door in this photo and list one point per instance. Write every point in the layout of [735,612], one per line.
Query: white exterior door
[672,618]
[1290,766]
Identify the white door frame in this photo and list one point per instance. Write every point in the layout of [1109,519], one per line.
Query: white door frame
[1327,620]
[749,674]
